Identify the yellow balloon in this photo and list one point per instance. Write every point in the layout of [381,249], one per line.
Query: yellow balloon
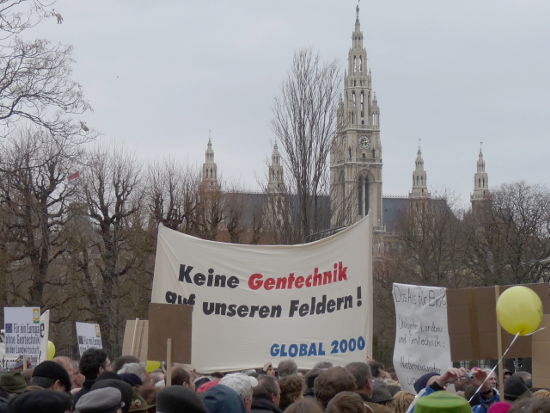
[151,366]
[519,310]
[51,350]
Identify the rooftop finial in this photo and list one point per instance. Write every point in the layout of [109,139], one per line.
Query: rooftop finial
[419,144]
[209,136]
[480,148]
[357,11]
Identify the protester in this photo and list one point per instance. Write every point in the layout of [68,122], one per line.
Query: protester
[92,363]
[378,371]
[515,388]
[380,393]
[292,388]
[13,383]
[442,401]
[178,399]
[222,399]
[268,369]
[181,377]
[243,385]
[51,376]
[287,367]
[304,405]
[126,391]
[541,394]
[332,381]
[310,381]
[364,385]
[74,375]
[401,401]
[106,400]
[346,402]
[40,401]
[266,395]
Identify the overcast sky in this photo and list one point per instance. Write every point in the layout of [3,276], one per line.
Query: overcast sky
[159,74]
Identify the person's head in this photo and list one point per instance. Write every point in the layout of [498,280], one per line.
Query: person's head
[332,381]
[377,369]
[51,376]
[243,385]
[363,378]
[506,375]
[134,368]
[305,405]
[492,380]
[181,377]
[40,401]
[176,399]
[541,394]
[346,402]
[292,388]
[527,378]
[13,382]
[93,362]
[380,393]
[222,399]
[125,389]
[122,360]
[287,367]
[74,374]
[531,405]
[105,400]
[515,388]
[268,388]
[401,401]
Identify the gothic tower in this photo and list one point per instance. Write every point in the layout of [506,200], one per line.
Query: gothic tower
[419,183]
[209,179]
[481,183]
[275,183]
[356,151]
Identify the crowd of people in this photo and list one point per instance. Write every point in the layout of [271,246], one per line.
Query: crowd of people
[95,385]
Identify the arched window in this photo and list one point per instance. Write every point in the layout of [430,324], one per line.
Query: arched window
[363,195]
[360,64]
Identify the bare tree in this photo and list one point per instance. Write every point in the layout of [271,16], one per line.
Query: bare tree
[35,76]
[35,196]
[304,122]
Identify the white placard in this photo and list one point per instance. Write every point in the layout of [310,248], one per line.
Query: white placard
[258,303]
[422,342]
[88,336]
[22,332]
[44,335]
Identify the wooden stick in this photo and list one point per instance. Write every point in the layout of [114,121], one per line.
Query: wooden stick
[499,347]
[168,381]
[133,346]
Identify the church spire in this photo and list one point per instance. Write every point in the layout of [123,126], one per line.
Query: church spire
[275,183]
[481,179]
[420,181]
[209,168]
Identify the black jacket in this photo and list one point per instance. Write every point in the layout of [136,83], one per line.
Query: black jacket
[261,405]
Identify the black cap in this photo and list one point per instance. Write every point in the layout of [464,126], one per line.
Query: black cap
[175,399]
[53,371]
[40,401]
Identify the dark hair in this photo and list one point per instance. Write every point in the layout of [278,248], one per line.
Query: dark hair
[292,388]
[287,367]
[332,381]
[375,367]
[91,361]
[180,376]
[361,373]
[346,402]
[267,387]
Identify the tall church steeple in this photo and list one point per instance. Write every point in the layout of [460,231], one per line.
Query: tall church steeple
[356,151]
[275,182]
[420,183]
[481,181]
[209,169]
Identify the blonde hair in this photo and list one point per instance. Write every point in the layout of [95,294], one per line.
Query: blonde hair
[401,401]
[541,394]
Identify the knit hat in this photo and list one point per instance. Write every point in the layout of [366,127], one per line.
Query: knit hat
[442,401]
[515,387]
[51,371]
[131,378]
[422,381]
[125,389]
[500,407]
[380,393]
[175,399]
[106,400]
[40,401]
[13,382]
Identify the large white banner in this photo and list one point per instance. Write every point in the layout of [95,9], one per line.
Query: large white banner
[22,332]
[422,342]
[258,303]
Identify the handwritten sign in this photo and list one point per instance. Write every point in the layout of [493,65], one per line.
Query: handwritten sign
[22,332]
[422,335]
[88,336]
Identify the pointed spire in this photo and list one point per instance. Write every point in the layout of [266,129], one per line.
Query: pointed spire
[209,167]
[420,180]
[357,13]
[275,184]
[481,179]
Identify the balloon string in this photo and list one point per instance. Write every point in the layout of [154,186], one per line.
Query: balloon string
[496,365]
[418,396]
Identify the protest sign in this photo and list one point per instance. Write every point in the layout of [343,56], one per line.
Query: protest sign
[22,332]
[136,334]
[44,335]
[473,323]
[88,336]
[421,333]
[540,356]
[170,321]
[254,303]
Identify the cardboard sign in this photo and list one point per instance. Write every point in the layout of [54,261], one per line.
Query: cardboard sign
[170,321]
[422,342]
[473,323]
[540,344]
[136,336]
[88,336]
[253,303]
[22,332]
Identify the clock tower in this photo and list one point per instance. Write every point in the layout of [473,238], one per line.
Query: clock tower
[356,151]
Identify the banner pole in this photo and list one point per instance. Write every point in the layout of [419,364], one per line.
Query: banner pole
[499,346]
[168,362]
